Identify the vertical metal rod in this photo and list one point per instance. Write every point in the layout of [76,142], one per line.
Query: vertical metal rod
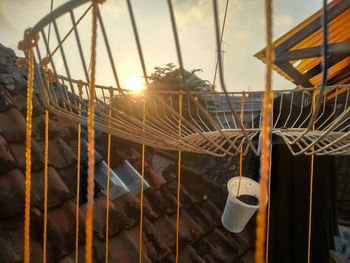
[81,53]
[110,56]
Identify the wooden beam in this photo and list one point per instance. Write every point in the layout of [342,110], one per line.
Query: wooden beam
[311,52]
[312,27]
[334,94]
[292,72]
[318,68]
[344,73]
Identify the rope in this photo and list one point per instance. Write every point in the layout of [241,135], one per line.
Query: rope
[268,206]
[108,174]
[311,187]
[28,156]
[142,182]
[178,181]
[241,150]
[46,164]
[221,39]
[91,139]
[265,140]
[46,171]
[28,43]
[77,203]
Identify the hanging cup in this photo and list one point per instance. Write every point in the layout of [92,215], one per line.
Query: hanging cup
[237,213]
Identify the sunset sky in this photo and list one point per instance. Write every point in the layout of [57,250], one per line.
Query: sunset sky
[244,36]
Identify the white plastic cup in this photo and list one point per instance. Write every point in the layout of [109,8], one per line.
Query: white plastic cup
[237,214]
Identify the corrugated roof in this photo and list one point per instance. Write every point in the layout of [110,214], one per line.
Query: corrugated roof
[298,52]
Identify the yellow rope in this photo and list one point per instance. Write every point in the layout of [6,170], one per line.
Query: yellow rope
[91,140]
[46,170]
[265,141]
[178,181]
[142,182]
[108,175]
[268,205]
[77,198]
[241,150]
[311,188]
[28,156]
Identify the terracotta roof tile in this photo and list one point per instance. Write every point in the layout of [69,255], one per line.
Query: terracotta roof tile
[116,158]
[60,154]
[5,100]
[248,257]
[187,199]
[207,251]
[57,190]
[117,219]
[66,259]
[157,249]
[127,205]
[189,255]
[227,247]
[73,143]
[155,180]
[98,252]
[14,228]
[69,177]
[62,221]
[166,228]
[11,188]
[169,259]
[67,129]
[147,247]
[9,252]
[21,102]
[169,173]
[130,206]
[202,217]
[125,249]
[7,160]
[161,200]
[7,81]
[212,211]
[12,125]
[18,151]
[39,128]
[190,231]
[148,207]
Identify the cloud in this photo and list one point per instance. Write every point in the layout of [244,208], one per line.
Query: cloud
[5,19]
[283,20]
[282,23]
[114,7]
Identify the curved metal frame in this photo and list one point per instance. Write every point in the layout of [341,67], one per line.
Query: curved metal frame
[204,130]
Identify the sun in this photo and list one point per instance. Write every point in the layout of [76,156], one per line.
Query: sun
[134,83]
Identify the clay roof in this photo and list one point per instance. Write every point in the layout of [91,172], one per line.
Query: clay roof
[202,237]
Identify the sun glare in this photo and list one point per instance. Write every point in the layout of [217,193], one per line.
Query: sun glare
[134,83]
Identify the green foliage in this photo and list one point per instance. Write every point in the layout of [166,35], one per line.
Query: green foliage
[169,77]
